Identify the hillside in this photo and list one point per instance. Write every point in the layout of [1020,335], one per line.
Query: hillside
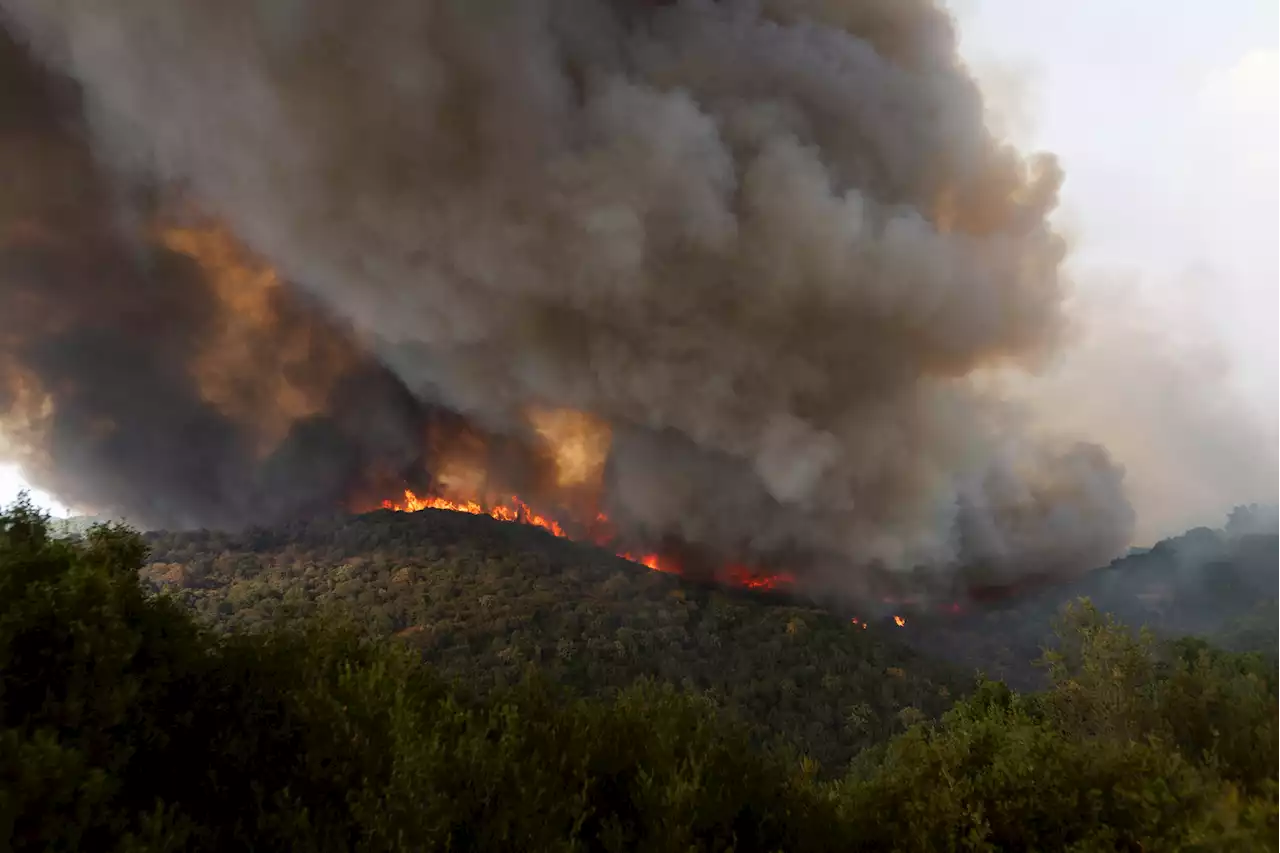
[128,725]
[484,600]
[1217,584]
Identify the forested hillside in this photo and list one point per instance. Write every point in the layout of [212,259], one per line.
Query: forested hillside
[126,724]
[1217,584]
[484,600]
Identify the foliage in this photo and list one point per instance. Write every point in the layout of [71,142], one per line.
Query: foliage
[126,724]
[1133,748]
[1221,585]
[1257,630]
[484,601]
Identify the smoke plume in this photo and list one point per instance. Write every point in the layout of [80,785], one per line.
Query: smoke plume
[156,369]
[767,245]
[1147,378]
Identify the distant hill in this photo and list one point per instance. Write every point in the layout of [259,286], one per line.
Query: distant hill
[1222,585]
[484,600]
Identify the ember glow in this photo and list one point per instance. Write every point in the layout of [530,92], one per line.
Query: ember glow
[513,509]
[743,577]
[516,510]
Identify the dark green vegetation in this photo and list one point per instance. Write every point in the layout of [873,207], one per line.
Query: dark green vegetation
[484,601]
[126,724]
[1217,584]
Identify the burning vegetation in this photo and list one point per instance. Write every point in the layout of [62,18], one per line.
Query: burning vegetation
[565,463]
[712,285]
[600,532]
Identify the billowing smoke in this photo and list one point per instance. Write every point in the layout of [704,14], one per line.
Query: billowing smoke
[1146,378]
[150,368]
[771,244]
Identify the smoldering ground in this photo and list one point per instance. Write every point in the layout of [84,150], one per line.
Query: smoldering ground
[768,243]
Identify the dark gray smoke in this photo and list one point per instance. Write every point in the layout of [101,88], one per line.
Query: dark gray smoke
[771,243]
[102,328]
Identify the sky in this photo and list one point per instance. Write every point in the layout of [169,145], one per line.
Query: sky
[1165,116]
[12,482]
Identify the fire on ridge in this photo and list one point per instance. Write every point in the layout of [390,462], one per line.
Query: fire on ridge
[570,450]
[232,329]
[601,534]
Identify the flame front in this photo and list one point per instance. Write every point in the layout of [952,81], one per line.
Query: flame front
[515,510]
[602,533]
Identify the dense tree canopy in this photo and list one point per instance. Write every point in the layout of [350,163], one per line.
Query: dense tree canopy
[127,724]
[484,601]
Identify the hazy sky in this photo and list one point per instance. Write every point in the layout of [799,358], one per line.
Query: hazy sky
[1165,116]
[11,483]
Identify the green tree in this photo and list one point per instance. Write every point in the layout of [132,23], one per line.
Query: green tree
[125,726]
[1128,751]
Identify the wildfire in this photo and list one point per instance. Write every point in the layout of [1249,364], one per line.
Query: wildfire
[248,327]
[601,532]
[741,576]
[515,510]
[578,443]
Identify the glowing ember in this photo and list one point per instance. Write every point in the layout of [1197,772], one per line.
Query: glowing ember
[652,561]
[899,621]
[516,510]
[742,576]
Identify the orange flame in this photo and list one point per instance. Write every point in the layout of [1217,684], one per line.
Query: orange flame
[578,443]
[740,575]
[303,363]
[899,621]
[516,510]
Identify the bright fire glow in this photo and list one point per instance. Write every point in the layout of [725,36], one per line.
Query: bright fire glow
[303,366]
[578,443]
[516,510]
[899,621]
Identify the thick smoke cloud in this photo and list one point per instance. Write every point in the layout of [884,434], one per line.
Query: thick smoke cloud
[132,379]
[769,242]
[1148,379]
